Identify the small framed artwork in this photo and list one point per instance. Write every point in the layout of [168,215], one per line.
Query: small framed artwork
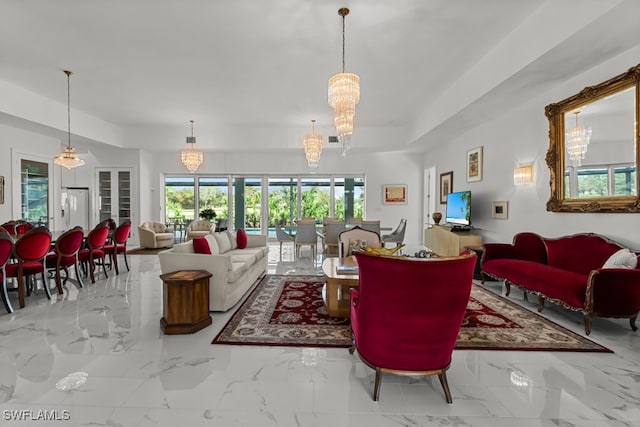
[394,194]
[499,210]
[474,165]
[1,190]
[446,186]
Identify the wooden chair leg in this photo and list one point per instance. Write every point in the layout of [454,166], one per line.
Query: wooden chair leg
[92,268]
[78,275]
[114,260]
[5,296]
[445,386]
[59,280]
[376,386]
[45,283]
[21,289]
[126,262]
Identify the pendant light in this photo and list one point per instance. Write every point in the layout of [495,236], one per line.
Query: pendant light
[68,158]
[192,158]
[344,94]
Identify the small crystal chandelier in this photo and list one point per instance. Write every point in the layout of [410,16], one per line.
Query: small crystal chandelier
[313,146]
[577,140]
[68,158]
[192,158]
[344,94]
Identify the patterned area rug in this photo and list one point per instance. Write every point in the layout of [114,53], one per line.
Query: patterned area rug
[289,311]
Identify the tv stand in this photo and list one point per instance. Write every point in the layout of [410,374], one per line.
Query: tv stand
[444,241]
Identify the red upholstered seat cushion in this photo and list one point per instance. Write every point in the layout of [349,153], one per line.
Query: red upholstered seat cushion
[241,238]
[553,282]
[201,246]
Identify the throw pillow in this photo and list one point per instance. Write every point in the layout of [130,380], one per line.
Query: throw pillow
[223,242]
[233,240]
[241,236]
[623,258]
[201,246]
[213,244]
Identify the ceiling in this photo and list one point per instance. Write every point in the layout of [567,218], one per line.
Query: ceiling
[428,68]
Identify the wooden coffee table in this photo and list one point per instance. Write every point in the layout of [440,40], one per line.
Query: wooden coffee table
[336,292]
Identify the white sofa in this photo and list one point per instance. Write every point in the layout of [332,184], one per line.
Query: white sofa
[233,270]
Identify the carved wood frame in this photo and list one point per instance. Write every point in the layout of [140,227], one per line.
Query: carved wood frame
[555,155]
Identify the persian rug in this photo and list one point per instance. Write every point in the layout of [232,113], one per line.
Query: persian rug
[290,311]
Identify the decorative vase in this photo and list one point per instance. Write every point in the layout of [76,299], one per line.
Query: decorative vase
[437,216]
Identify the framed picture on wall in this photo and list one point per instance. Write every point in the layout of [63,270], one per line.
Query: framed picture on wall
[394,194]
[1,190]
[499,210]
[474,165]
[446,186]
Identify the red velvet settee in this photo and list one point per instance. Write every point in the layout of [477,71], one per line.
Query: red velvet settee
[567,271]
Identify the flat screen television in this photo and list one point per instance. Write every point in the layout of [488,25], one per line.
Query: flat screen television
[459,209]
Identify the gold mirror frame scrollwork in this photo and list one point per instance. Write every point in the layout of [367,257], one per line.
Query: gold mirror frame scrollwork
[555,157]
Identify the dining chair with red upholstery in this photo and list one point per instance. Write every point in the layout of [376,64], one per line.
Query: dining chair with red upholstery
[6,249]
[65,255]
[118,244]
[10,226]
[407,313]
[30,250]
[22,227]
[94,254]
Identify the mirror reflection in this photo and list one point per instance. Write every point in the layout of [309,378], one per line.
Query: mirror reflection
[599,148]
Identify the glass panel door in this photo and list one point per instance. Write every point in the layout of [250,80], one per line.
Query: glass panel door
[114,194]
[105,208]
[283,202]
[124,196]
[34,184]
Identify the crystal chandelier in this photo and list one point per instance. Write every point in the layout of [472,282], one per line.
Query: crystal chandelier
[344,94]
[192,158]
[313,146]
[68,158]
[577,140]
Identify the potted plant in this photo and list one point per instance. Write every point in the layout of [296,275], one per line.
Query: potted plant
[208,214]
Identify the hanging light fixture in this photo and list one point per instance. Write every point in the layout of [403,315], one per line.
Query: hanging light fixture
[192,158]
[313,144]
[344,94]
[68,158]
[577,139]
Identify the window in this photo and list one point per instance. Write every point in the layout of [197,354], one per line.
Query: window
[239,201]
[179,199]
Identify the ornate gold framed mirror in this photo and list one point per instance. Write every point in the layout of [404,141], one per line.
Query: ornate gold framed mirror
[593,154]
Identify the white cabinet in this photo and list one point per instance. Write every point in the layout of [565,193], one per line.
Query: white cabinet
[114,195]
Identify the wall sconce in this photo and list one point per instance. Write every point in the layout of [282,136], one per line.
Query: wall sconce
[523,174]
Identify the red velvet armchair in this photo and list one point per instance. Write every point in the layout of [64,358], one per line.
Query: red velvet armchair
[407,313]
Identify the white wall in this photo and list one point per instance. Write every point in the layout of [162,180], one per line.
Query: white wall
[520,136]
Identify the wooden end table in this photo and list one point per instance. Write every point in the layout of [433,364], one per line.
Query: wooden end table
[185,300]
[336,292]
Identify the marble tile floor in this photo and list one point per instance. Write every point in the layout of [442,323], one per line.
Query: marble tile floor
[133,375]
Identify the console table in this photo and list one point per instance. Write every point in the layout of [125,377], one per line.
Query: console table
[185,301]
[444,242]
